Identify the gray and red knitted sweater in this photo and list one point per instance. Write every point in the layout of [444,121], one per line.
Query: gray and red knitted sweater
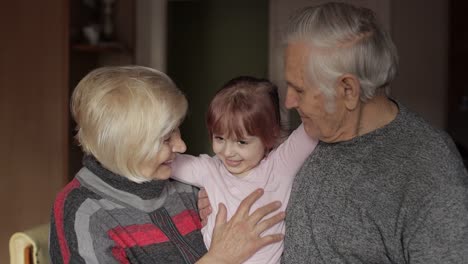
[101,217]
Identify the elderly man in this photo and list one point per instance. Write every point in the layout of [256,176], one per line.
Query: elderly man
[382,186]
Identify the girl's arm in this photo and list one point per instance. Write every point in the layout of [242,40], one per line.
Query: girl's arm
[190,169]
[292,153]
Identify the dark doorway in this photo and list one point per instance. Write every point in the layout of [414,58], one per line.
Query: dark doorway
[457,105]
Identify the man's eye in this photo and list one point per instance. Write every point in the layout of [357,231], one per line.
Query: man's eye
[296,89]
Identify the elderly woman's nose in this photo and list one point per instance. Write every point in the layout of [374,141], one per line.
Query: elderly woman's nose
[178,144]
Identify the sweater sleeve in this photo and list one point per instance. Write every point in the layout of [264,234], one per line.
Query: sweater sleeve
[60,250]
[62,237]
[291,154]
[440,232]
[71,240]
[76,234]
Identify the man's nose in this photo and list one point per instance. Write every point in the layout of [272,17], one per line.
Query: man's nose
[291,99]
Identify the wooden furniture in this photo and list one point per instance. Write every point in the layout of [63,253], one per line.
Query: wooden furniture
[38,68]
[30,246]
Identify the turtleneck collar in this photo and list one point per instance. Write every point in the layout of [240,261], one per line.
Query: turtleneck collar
[145,190]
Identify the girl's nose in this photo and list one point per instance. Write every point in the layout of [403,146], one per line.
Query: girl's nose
[228,150]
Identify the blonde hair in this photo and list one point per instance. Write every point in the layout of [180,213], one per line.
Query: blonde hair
[122,115]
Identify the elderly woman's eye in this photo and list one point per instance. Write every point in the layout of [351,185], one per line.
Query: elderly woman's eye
[167,139]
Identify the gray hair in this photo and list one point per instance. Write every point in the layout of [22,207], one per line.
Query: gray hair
[350,41]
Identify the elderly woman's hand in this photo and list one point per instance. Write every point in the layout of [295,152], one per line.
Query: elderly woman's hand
[239,238]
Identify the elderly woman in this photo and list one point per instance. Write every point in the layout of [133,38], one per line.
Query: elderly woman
[121,207]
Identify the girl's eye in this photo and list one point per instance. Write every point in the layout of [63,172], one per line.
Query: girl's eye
[218,138]
[242,142]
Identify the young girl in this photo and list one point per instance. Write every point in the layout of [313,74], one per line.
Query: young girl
[244,125]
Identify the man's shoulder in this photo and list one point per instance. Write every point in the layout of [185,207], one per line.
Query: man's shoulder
[429,153]
[419,134]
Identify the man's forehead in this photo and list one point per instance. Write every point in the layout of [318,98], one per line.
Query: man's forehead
[295,56]
[297,48]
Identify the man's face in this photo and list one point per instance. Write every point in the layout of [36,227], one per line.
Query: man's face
[307,98]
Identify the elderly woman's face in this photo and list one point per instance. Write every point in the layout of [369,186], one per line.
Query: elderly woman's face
[160,167]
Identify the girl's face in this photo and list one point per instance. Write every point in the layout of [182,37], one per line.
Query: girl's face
[160,167]
[239,155]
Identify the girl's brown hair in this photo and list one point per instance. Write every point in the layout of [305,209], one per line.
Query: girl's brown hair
[246,105]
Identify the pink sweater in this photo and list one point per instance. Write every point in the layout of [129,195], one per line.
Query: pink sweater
[275,174]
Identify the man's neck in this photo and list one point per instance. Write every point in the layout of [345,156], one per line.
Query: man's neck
[376,113]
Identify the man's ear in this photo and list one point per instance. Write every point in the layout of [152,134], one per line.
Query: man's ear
[350,89]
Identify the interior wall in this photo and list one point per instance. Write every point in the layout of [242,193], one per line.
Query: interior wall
[208,43]
[151,25]
[420,31]
[33,112]
[84,58]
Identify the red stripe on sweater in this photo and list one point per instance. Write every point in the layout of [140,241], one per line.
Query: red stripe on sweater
[119,255]
[59,221]
[147,234]
[187,221]
[134,235]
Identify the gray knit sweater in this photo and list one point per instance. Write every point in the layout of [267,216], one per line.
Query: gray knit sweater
[396,195]
[102,217]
